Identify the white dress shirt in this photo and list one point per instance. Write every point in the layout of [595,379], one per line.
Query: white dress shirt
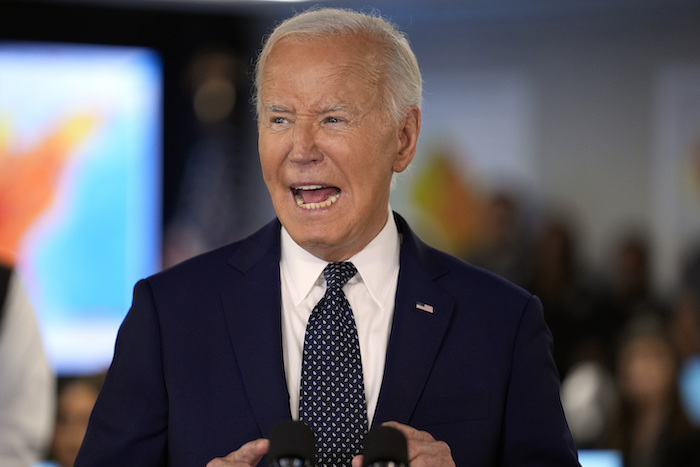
[371,295]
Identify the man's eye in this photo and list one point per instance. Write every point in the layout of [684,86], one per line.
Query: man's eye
[278,120]
[333,120]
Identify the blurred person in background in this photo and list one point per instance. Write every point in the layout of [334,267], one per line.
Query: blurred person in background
[690,270]
[631,291]
[504,249]
[569,304]
[27,383]
[76,398]
[651,428]
[685,330]
[589,396]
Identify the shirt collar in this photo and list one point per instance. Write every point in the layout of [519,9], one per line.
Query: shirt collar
[377,262]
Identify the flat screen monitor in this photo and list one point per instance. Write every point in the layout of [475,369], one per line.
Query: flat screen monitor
[80,148]
[599,458]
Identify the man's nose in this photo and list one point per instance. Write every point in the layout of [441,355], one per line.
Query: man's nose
[304,142]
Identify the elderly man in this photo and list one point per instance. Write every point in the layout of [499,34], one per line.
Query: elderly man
[335,313]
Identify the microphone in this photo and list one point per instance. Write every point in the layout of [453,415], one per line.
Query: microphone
[292,444]
[385,447]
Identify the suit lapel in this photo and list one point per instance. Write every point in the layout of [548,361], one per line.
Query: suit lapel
[421,318]
[252,307]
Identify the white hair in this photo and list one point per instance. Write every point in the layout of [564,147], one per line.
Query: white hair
[404,85]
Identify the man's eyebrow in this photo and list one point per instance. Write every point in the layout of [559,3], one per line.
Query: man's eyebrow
[276,108]
[336,107]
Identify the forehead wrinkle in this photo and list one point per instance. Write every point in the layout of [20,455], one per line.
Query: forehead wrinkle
[364,67]
[358,71]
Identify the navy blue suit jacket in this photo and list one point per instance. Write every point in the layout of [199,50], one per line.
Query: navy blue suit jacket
[198,369]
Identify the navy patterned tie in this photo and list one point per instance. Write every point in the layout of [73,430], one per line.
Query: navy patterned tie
[332,398]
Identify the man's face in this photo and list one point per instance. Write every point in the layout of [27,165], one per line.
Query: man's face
[328,148]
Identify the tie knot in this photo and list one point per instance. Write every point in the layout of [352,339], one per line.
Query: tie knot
[338,274]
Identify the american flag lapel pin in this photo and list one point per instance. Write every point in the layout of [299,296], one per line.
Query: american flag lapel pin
[425,307]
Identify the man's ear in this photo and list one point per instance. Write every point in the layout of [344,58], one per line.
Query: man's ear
[409,130]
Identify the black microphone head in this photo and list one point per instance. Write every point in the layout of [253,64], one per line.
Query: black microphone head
[291,440]
[385,444]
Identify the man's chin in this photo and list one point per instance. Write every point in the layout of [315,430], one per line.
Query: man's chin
[318,223]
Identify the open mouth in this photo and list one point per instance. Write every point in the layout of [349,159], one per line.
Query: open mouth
[315,196]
